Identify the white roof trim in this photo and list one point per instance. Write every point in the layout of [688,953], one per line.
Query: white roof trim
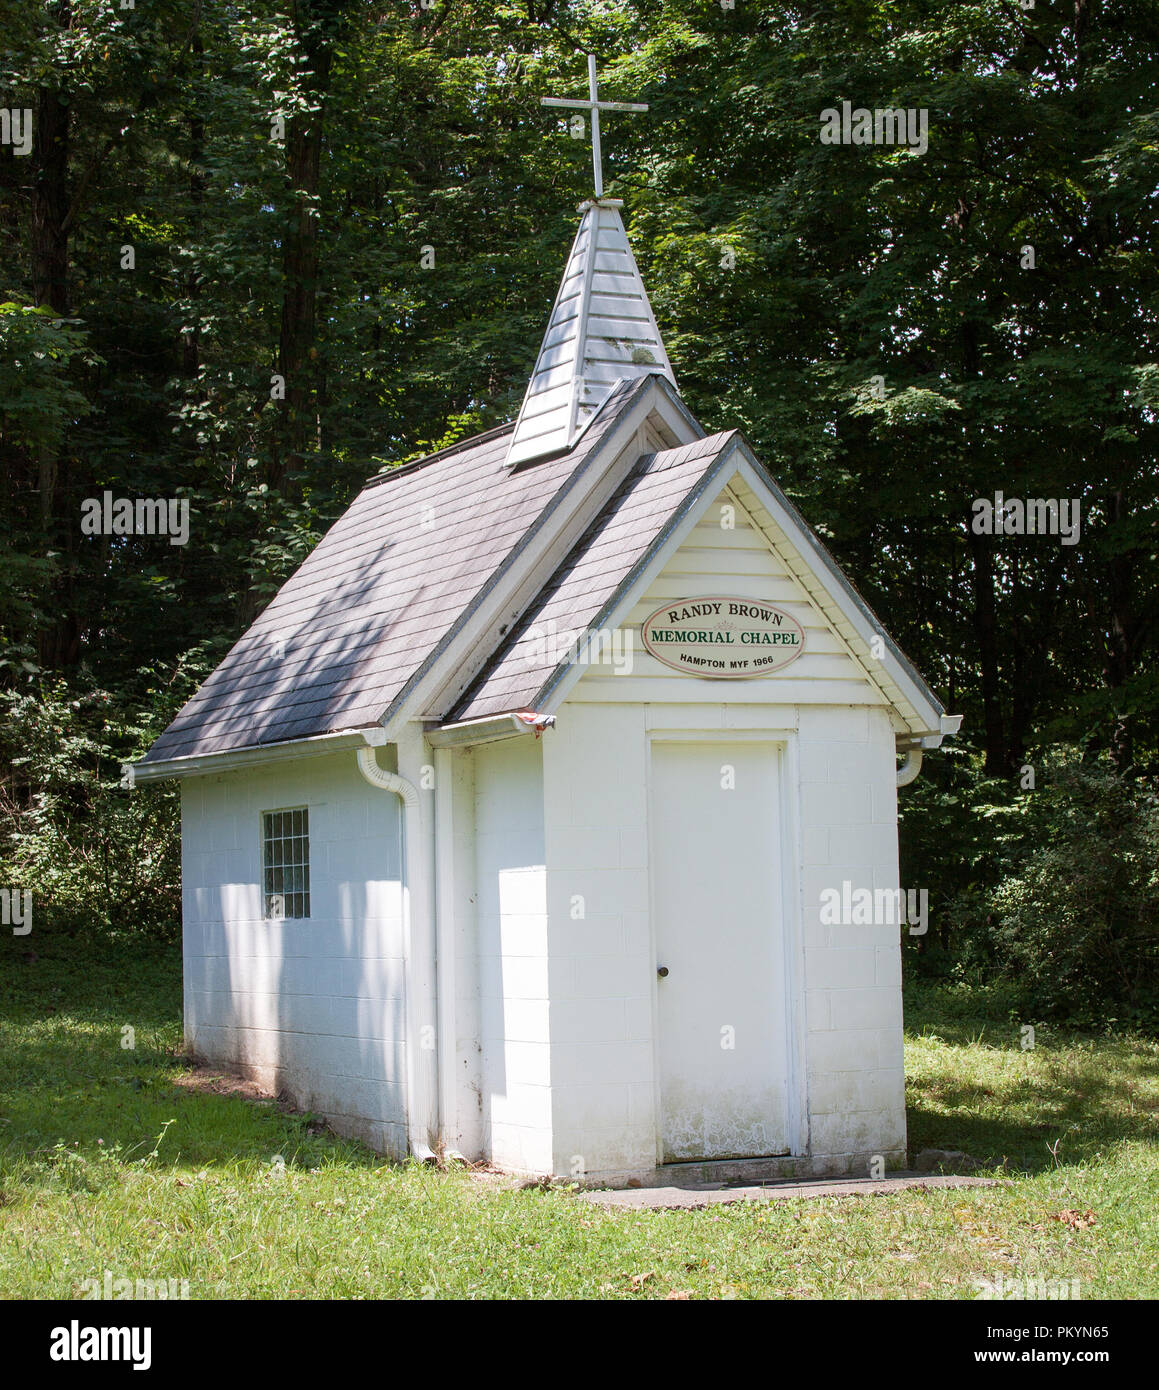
[489,729]
[233,759]
[449,670]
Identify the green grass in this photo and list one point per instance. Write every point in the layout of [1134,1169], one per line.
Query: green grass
[107,1164]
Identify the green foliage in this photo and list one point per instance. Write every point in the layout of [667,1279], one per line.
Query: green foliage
[1076,918]
[38,357]
[96,858]
[1051,894]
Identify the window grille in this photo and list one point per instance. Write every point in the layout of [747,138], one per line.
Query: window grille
[286,862]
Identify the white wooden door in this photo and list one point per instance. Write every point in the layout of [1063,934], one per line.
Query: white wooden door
[722,1025]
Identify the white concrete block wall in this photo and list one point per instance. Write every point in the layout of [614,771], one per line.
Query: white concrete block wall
[596,830]
[604,1108]
[512,954]
[856,1084]
[314,1007]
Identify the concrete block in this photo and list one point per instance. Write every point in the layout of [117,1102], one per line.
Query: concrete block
[834,806]
[832,969]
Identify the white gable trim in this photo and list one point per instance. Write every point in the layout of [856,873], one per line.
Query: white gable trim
[811,565]
[848,613]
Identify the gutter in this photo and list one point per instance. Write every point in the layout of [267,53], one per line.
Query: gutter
[913,750]
[488,729]
[908,772]
[205,764]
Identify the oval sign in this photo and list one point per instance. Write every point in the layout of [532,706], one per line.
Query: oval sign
[724,636]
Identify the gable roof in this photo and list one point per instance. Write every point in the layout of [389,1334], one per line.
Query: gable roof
[659,501]
[601,331]
[384,590]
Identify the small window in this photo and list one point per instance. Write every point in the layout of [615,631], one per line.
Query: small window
[286,862]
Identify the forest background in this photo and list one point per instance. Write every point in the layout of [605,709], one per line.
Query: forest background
[369,202]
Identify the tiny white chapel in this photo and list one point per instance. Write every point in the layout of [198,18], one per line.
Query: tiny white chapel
[507,825]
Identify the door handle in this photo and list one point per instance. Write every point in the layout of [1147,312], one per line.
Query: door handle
[662,971]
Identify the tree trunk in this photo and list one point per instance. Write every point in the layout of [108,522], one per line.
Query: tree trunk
[986,634]
[300,262]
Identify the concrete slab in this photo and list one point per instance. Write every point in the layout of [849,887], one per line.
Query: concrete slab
[715,1194]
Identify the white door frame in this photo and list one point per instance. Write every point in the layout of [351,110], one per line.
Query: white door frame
[784,741]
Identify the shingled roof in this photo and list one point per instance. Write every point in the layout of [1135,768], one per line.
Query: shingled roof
[382,591]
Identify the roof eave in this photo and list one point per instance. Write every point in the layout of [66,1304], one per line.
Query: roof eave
[233,759]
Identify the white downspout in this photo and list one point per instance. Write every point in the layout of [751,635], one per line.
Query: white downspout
[421,1109]
[446,956]
[387,781]
[909,769]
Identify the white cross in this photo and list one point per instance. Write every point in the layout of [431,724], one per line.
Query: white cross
[595,106]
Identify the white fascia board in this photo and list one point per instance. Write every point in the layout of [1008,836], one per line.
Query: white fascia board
[677,419]
[559,685]
[451,668]
[206,764]
[490,729]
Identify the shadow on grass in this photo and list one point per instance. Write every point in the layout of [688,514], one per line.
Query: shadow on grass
[971,1087]
[69,1083]
[80,1094]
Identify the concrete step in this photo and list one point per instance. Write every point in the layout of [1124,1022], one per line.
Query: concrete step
[691,1196]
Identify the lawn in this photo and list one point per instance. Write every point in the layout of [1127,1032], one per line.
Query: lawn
[108,1163]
